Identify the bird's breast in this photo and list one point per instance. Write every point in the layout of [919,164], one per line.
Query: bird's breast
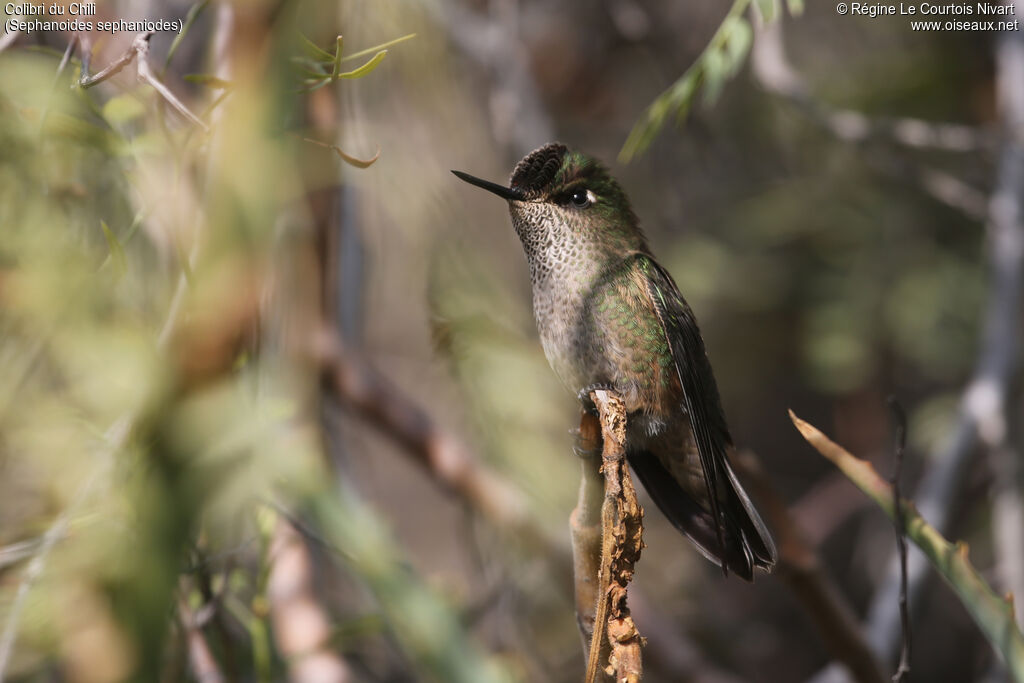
[602,332]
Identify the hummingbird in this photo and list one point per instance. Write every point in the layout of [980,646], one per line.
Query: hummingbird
[611,317]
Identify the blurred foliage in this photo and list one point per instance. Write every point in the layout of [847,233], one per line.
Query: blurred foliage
[718,63]
[140,430]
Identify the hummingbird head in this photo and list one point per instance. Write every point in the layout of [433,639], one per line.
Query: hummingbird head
[562,200]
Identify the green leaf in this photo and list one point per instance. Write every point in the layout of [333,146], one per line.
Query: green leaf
[722,58]
[190,17]
[677,98]
[310,84]
[796,7]
[715,69]
[767,9]
[738,44]
[116,250]
[375,48]
[123,108]
[208,80]
[348,158]
[314,49]
[337,59]
[316,74]
[365,68]
[683,94]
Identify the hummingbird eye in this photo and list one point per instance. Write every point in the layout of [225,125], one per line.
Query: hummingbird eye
[581,199]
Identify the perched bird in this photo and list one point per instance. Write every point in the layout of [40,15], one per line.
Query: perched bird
[611,317]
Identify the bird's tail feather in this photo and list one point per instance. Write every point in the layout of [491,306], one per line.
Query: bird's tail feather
[747,541]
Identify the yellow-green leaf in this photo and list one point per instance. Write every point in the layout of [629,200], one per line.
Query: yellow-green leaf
[348,158]
[375,48]
[365,68]
[337,58]
[737,44]
[208,80]
[116,250]
[767,9]
[123,108]
[315,49]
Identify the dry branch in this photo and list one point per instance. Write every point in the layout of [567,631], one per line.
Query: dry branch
[8,39]
[138,52]
[301,629]
[993,614]
[200,658]
[446,458]
[621,544]
[773,71]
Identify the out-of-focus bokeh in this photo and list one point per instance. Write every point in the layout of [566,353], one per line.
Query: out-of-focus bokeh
[269,411]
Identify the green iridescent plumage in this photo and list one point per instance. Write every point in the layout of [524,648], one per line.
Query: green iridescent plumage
[608,315]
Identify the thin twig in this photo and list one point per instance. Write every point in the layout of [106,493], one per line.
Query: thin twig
[114,440]
[138,52]
[993,614]
[8,39]
[445,457]
[115,67]
[774,72]
[899,519]
[200,658]
[147,75]
[67,55]
[301,628]
[776,75]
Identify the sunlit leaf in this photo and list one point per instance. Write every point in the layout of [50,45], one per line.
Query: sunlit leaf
[348,158]
[190,18]
[767,9]
[715,67]
[337,58]
[365,68]
[116,250]
[208,80]
[738,44]
[312,84]
[316,50]
[375,48]
[721,59]
[122,109]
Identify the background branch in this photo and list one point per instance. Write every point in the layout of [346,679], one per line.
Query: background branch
[302,630]
[993,614]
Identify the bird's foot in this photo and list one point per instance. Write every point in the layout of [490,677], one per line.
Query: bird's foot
[584,395]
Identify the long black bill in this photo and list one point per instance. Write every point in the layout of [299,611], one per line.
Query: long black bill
[508,193]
